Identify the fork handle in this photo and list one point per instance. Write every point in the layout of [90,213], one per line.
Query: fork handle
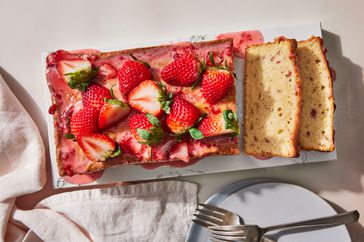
[334,220]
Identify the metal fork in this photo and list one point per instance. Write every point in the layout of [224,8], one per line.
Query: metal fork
[254,233]
[209,215]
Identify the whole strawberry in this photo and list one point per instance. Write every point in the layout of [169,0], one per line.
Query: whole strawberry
[84,121]
[146,129]
[184,71]
[183,115]
[94,96]
[131,74]
[216,83]
[221,123]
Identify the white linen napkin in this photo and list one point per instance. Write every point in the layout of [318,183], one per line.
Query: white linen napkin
[22,157]
[155,211]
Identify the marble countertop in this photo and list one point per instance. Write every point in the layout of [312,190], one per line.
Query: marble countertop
[31,27]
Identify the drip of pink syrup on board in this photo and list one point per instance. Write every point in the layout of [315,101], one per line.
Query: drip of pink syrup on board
[83,178]
[178,164]
[243,39]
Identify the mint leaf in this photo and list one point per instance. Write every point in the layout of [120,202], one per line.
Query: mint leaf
[195,133]
[80,79]
[231,120]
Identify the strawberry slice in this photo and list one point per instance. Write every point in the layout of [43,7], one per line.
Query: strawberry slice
[107,71]
[98,147]
[222,123]
[77,73]
[112,112]
[148,97]
[180,151]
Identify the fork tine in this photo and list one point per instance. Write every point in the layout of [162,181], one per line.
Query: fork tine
[208,218]
[214,208]
[229,228]
[229,238]
[227,233]
[211,213]
[203,223]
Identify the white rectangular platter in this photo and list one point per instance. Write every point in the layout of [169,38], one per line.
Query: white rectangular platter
[209,164]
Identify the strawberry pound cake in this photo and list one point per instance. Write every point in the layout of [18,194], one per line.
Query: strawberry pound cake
[142,106]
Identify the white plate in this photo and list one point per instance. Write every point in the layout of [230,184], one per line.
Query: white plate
[272,203]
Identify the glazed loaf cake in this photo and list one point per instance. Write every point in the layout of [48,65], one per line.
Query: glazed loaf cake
[317,120]
[272,99]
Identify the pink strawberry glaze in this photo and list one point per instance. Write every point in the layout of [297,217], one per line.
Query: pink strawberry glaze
[243,39]
[262,157]
[83,178]
[69,101]
[178,164]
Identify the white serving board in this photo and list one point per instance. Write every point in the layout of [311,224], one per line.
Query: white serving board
[209,164]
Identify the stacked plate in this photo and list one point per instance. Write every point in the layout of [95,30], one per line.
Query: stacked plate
[269,202]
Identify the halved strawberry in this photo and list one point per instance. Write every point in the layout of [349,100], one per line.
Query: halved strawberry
[222,123]
[216,83]
[148,97]
[183,115]
[180,151]
[84,121]
[112,112]
[183,71]
[94,96]
[146,129]
[131,74]
[107,71]
[77,73]
[98,147]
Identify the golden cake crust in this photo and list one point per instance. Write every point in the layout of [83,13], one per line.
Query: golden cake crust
[312,138]
[294,145]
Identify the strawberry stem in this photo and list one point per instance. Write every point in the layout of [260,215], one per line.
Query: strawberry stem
[143,62]
[116,152]
[112,91]
[165,98]
[211,58]
[70,136]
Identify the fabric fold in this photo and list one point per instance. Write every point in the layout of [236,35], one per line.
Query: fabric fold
[22,154]
[155,211]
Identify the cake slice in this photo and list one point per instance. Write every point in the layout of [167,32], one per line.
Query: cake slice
[272,99]
[317,119]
